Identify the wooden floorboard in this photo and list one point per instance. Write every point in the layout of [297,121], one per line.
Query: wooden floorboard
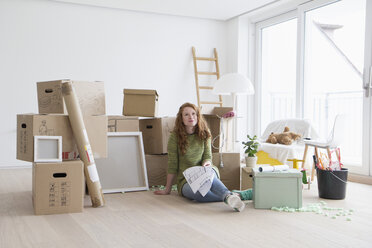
[142,219]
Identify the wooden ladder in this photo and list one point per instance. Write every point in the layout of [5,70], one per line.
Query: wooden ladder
[197,73]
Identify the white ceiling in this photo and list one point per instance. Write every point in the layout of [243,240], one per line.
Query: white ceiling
[208,9]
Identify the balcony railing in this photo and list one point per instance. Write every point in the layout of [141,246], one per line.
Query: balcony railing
[324,108]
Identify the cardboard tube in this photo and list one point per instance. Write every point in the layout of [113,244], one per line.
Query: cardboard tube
[282,167]
[83,145]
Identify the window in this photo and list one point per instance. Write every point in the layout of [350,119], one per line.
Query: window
[310,64]
[278,80]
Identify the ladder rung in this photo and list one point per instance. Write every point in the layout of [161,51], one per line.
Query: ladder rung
[204,58]
[206,87]
[207,73]
[210,102]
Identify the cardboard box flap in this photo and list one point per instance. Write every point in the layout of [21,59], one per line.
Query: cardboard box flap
[140,92]
[220,111]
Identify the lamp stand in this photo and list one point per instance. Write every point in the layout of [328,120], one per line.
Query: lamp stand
[235,121]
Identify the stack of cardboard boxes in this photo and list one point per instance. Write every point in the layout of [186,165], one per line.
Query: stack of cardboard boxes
[140,114]
[140,107]
[58,187]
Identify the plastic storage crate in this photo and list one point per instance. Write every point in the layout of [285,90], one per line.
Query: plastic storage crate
[277,189]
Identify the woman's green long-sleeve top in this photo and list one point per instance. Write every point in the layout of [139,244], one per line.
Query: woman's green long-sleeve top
[197,153]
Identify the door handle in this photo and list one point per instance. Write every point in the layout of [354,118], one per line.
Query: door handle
[368,85]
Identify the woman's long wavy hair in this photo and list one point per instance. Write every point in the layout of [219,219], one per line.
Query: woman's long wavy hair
[201,128]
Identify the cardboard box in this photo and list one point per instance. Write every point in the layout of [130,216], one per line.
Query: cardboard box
[247,178]
[214,124]
[155,133]
[29,125]
[277,189]
[220,111]
[58,187]
[96,126]
[91,96]
[140,102]
[157,167]
[120,123]
[230,172]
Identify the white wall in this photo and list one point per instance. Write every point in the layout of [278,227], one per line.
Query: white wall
[44,40]
[239,51]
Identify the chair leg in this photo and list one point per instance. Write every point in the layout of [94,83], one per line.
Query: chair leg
[304,158]
[313,167]
[338,154]
[329,154]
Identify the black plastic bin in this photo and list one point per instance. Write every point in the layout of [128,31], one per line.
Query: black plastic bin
[332,184]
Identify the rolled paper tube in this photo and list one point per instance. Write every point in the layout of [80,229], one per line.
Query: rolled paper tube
[282,167]
[83,145]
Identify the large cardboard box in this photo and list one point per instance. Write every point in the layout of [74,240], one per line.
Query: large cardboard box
[120,123]
[58,187]
[140,102]
[157,167]
[277,189]
[29,125]
[215,124]
[91,96]
[155,133]
[230,172]
[96,126]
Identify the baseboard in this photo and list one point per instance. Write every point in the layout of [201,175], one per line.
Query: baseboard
[16,166]
[359,178]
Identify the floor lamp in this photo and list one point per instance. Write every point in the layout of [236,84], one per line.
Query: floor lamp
[233,84]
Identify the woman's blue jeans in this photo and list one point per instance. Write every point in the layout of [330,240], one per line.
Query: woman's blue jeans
[217,193]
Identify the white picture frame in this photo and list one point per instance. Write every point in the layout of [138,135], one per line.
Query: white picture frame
[124,169]
[47,149]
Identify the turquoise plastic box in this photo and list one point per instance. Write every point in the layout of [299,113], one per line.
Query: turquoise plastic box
[277,189]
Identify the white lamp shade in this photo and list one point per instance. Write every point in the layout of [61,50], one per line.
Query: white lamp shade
[233,83]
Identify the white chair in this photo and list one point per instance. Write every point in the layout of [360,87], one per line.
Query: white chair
[284,152]
[334,140]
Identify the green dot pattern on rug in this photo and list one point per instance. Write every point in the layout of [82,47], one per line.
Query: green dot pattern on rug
[319,208]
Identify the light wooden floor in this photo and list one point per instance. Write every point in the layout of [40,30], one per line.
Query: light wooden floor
[141,219]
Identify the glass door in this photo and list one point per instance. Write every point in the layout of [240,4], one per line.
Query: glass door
[276,44]
[334,75]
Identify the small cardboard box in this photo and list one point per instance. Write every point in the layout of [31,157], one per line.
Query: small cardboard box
[58,187]
[230,172]
[120,123]
[214,123]
[277,189]
[91,97]
[29,125]
[247,178]
[140,102]
[155,133]
[157,166]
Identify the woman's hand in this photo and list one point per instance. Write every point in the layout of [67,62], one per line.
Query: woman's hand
[162,192]
[168,186]
[206,163]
